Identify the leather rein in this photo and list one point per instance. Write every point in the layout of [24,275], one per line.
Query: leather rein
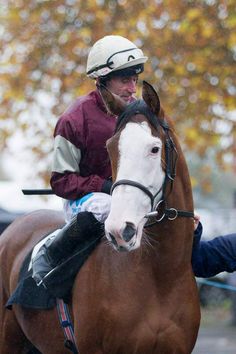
[171,156]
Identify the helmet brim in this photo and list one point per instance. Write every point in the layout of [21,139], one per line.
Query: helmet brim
[131,63]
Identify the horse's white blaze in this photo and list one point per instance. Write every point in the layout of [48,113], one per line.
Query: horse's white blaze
[140,163]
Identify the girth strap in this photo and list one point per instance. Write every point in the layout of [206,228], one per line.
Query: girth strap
[67,326]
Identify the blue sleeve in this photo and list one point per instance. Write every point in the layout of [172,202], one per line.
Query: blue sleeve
[212,257]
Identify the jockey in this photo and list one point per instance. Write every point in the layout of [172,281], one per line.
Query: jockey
[81,171]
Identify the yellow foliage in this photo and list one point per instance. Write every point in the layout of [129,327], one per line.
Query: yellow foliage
[193,13]
[191,134]
[232,40]
[194,181]
[207,31]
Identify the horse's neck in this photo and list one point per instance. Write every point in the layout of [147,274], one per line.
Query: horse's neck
[170,245]
[171,240]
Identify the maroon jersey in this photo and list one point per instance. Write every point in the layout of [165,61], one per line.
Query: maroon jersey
[80,160]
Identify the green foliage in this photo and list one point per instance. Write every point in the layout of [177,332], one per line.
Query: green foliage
[191,46]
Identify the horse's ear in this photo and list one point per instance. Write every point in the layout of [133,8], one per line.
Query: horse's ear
[114,104]
[151,97]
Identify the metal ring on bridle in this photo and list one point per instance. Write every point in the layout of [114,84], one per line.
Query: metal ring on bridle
[161,218]
[156,207]
[175,216]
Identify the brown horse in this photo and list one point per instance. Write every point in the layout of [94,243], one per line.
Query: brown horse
[136,294]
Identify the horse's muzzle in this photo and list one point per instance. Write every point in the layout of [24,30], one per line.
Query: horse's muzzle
[125,240]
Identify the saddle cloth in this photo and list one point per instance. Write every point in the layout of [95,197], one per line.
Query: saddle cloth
[60,283]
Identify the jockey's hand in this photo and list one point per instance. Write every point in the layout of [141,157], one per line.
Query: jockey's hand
[106,188]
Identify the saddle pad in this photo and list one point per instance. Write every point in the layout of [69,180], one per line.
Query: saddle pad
[59,284]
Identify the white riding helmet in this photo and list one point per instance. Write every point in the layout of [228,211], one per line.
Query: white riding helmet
[112,53]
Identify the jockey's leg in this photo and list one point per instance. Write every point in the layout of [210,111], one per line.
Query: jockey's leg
[83,226]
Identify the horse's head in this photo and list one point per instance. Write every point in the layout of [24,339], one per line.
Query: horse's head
[137,158]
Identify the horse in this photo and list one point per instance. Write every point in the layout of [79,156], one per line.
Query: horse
[136,293]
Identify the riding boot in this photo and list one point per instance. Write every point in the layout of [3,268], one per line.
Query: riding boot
[84,226]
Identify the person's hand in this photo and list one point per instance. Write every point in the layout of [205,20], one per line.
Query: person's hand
[196,219]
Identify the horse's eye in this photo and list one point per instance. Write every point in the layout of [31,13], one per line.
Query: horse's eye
[155,150]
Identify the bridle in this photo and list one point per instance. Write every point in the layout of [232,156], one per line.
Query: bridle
[139,186]
[171,156]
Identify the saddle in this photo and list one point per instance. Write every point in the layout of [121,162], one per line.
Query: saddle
[59,282]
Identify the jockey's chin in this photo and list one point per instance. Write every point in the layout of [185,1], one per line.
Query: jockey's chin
[127,98]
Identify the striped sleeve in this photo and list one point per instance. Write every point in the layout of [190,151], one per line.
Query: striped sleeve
[66,156]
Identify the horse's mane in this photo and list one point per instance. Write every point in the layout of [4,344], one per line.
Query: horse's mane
[136,107]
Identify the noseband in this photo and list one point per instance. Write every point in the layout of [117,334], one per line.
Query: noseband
[139,186]
[171,157]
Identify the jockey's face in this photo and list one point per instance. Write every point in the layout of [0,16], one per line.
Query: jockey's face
[125,86]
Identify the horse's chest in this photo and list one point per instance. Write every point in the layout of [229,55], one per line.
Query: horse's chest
[145,336]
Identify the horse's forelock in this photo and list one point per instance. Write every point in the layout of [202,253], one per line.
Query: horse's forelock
[137,107]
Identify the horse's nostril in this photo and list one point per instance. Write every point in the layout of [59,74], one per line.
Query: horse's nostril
[113,240]
[129,232]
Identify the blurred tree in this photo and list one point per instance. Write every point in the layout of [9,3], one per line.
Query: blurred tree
[212,187]
[192,51]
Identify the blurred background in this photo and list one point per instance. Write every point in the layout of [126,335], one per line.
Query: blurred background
[191,47]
